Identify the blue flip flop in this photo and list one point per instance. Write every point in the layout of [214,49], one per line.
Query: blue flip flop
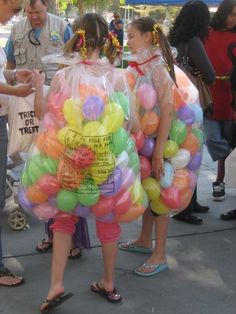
[130,247]
[155,269]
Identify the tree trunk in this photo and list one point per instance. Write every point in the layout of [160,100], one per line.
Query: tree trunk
[52,7]
[80,7]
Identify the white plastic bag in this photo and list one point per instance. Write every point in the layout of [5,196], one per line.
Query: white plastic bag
[230,170]
[23,124]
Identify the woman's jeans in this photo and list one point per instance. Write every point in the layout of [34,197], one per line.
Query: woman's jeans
[3,169]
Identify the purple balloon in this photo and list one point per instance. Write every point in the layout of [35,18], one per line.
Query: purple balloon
[24,202]
[195,162]
[82,211]
[186,115]
[108,218]
[112,185]
[148,147]
[93,107]
[52,200]
[127,177]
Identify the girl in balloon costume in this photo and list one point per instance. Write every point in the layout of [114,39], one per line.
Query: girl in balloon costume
[170,140]
[83,160]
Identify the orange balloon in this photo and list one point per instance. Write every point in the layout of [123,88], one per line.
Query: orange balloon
[191,143]
[150,123]
[182,79]
[69,175]
[185,197]
[181,179]
[133,213]
[35,195]
[87,90]
[49,145]
[131,79]
[178,98]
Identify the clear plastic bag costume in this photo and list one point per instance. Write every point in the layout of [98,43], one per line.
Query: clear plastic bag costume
[84,160]
[154,89]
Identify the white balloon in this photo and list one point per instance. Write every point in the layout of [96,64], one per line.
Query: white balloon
[122,160]
[181,159]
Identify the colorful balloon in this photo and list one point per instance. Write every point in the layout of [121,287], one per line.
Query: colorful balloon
[159,207]
[198,114]
[147,96]
[181,179]
[139,139]
[170,149]
[146,167]
[88,193]
[133,213]
[48,184]
[148,147]
[186,115]
[113,117]
[113,183]
[178,131]
[66,200]
[103,207]
[108,218]
[119,141]
[127,178]
[170,197]
[24,201]
[152,188]
[123,202]
[134,162]
[181,159]
[45,211]
[167,178]
[72,112]
[191,143]
[123,101]
[93,108]
[122,160]
[83,156]
[195,162]
[35,195]
[150,123]
[82,211]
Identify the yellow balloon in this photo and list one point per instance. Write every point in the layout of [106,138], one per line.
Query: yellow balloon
[70,136]
[72,112]
[159,207]
[137,193]
[96,137]
[152,188]
[102,168]
[113,117]
[171,148]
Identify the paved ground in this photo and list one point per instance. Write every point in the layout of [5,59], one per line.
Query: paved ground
[201,278]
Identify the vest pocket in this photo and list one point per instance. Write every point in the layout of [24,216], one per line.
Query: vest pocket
[20,56]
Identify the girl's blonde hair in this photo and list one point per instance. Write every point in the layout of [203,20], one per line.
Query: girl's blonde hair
[90,32]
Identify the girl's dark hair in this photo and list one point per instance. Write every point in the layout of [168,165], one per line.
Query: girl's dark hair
[219,18]
[96,33]
[192,20]
[145,25]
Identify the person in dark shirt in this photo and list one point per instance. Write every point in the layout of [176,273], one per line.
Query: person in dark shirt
[191,28]
[117,26]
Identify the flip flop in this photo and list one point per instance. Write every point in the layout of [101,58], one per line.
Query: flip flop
[44,246]
[58,300]
[111,296]
[130,247]
[155,269]
[7,273]
[75,253]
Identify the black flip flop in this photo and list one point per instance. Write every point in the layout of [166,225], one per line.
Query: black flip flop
[47,246]
[7,273]
[58,300]
[111,296]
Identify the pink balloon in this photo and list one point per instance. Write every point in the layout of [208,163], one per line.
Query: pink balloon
[147,96]
[104,206]
[146,167]
[49,184]
[123,202]
[171,198]
[45,211]
[139,139]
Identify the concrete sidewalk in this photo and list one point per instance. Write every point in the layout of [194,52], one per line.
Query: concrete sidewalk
[201,278]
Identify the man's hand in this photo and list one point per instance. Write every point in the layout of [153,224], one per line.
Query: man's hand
[23,76]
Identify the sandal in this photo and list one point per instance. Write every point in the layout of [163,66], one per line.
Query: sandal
[12,280]
[56,301]
[75,253]
[111,296]
[43,246]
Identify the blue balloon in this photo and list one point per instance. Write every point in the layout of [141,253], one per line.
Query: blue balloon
[167,178]
[186,115]
[198,114]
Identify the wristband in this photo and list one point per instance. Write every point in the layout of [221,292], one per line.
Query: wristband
[13,76]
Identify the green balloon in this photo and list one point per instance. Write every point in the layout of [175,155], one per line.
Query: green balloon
[134,162]
[123,101]
[66,200]
[130,145]
[199,134]
[88,193]
[25,179]
[120,138]
[178,131]
[35,168]
[50,165]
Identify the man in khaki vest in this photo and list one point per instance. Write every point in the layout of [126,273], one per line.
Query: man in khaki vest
[34,36]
